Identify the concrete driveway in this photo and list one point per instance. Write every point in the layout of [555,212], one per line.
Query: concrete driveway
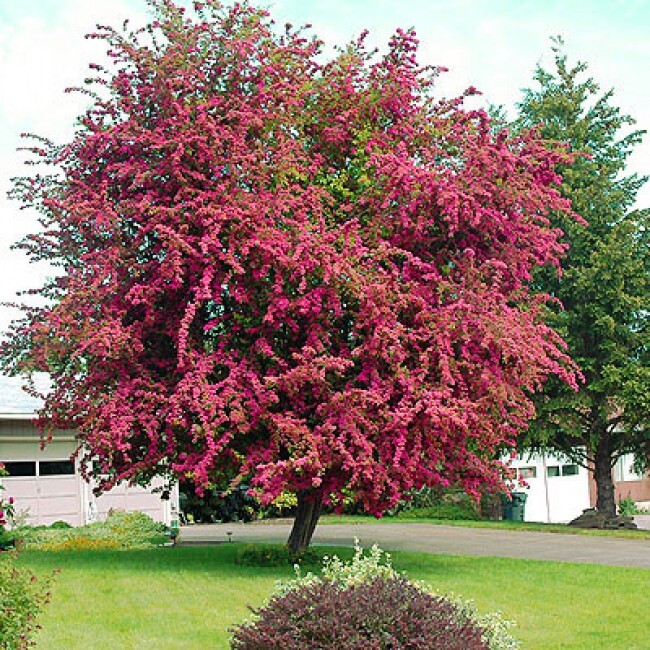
[452,540]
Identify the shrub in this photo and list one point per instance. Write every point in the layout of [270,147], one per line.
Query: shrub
[7,539]
[273,555]
[124,530]
[283,505]
[383,613]
[438,503]
[442,511]
[365,603]
[22,596]
[423,498]
[217,505]
[134,529]
[627,507]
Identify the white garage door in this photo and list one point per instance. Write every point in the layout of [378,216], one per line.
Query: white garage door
[49,490]
[131,498]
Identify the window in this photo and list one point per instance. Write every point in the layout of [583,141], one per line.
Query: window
[21,468]
[624,470]
[527,472]
[570,470]
[552,471]
[24,468]
[56,468]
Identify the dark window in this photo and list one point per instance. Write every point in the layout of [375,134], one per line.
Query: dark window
[552,471]
[21,468]
[527,472]
[570,470]
[56,467]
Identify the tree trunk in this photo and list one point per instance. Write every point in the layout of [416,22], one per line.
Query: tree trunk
[605,496]
[310,505]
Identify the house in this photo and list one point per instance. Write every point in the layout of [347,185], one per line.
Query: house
[46,482]
[627,482]
[558,490]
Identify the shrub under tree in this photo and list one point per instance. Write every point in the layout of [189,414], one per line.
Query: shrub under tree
[382,613]
[366,603]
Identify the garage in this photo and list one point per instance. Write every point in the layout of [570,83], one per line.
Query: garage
[46,483]
[45,491]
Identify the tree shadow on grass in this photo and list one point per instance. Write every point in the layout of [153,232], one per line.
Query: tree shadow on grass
[218,560]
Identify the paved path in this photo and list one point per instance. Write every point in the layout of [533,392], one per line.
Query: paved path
[453,540]
[642,521]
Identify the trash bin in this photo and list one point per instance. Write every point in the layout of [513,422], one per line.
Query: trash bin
[515,507]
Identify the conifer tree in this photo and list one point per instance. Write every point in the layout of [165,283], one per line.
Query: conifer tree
[604,285]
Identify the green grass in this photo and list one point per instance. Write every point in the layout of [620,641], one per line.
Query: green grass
[404,518]
[188,597]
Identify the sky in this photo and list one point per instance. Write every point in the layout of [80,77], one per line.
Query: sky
[491,44]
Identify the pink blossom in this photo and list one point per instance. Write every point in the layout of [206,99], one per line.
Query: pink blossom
[309,274]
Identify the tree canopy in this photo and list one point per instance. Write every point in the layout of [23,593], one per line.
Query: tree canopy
[313,274]
[604,286]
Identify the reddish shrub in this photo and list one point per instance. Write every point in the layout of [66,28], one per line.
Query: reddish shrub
[383,614]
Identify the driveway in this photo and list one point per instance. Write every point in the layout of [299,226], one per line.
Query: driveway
[642,521]
[452,540]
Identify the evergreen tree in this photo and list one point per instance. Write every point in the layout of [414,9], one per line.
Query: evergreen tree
[604,285]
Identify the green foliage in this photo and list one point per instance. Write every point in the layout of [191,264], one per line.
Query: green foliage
[273,555]
[605,283]
[361,568]
[627,507]
[7,539]
[217,505]
[121,530]
[424,498]
[7,512]
[282,505]
[22,595]
[439,503]
[448,511]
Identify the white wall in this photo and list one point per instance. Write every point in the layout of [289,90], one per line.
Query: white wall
[557,489]
[131,498]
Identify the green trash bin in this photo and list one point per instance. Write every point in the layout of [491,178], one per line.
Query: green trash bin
[506,507]
[515,507]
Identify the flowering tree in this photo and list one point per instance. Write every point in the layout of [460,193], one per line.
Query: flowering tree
[310,274]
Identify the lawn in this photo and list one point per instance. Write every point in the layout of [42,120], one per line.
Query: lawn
[188,597]
[404,518]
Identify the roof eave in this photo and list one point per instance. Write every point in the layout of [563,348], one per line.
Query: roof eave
[17,416]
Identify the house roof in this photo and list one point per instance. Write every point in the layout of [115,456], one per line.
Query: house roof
[15,402]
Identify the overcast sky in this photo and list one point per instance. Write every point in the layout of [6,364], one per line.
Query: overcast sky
[491,44]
